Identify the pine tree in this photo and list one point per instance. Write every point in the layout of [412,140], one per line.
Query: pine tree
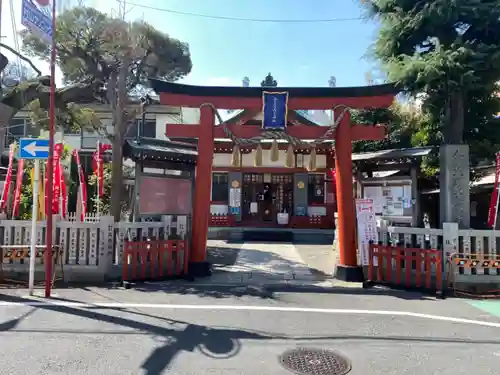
[449,50]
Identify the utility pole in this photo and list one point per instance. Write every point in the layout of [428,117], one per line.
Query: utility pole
[3,131]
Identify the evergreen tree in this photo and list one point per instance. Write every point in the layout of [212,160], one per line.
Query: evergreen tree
[449,50]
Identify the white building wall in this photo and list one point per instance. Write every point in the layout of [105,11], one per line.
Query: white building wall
[247,160]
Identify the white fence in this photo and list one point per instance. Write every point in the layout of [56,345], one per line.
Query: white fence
[472,243]
[91,243]
[90,217]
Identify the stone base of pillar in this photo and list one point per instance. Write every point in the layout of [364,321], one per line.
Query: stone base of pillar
[199,269]
[352,274]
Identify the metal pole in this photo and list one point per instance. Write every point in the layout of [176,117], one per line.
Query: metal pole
[98,163]
[34,217]
[50,161]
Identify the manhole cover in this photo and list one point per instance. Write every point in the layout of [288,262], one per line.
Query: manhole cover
[315,362]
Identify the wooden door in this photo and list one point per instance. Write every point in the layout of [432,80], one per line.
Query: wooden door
[283,193]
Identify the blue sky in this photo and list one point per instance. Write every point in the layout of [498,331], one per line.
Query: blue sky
[223,52]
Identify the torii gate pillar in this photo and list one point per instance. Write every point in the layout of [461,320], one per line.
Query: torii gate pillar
[347,269]
[198,265]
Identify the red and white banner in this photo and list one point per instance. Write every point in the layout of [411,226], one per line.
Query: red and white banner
[98,166]
[8,178]
[56,182]
[63,193]
[83,185]
[17,191]
[492,212]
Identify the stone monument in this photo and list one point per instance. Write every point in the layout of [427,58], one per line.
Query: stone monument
[454,185]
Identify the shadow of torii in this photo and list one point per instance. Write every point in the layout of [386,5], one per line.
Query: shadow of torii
[212,342]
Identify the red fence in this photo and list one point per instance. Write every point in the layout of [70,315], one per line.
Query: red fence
[154,260]
[406,267]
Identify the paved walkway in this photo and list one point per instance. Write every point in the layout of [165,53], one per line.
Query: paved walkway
[262,263]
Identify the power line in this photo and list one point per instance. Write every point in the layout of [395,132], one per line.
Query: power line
[200,15]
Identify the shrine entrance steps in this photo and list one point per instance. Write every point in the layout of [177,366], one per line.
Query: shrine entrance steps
[248,234]
[267,236]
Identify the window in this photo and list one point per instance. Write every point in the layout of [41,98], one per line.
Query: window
[148,130]
[220,189]
[316,189]
[16,130]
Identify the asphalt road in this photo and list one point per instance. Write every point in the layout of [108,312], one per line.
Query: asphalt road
[229,331]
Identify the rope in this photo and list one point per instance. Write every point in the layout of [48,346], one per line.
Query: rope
[280,134]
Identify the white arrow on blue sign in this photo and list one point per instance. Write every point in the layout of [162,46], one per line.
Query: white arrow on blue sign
[33,148]
[36,21]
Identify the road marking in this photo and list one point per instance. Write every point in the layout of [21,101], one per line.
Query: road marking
[491,307]
[125,305]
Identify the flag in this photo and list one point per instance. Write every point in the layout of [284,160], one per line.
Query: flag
[39,197]
[8,178]
[98,166]
[17,191]
[492,212]
[82,189]
[56,182]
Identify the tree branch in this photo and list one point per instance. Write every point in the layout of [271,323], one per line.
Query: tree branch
[21,95]
[22,57]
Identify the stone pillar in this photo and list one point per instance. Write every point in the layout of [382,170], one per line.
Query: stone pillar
[300,186]
[106,235]
[454,185]
[198,266]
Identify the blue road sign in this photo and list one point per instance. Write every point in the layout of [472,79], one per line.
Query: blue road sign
[33,148]
[35,20]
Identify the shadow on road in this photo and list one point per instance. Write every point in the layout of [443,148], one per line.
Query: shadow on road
[269,291]
[179,336]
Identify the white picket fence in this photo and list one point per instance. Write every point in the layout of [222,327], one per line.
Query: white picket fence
[90,217]
[91,243]
[472,243]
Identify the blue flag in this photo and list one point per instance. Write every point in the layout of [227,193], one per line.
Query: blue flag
[275,110]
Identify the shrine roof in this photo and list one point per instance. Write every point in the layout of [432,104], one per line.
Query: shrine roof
[158,149]
[160,86]
[397,153]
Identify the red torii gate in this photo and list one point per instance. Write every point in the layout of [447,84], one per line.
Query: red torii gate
[250,98]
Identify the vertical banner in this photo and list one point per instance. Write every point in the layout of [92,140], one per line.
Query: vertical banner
[40,196]
[367,228]
[82,186]
[8,178]
[17,191]
[64,197]
[493,210]
[274,110]
[54,205]
[98,166]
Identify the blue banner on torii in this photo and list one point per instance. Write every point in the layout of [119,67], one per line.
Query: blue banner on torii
[274,110]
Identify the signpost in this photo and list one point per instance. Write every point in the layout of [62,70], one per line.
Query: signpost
[36,21]
[34,149]
[34,17]
[367,228]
